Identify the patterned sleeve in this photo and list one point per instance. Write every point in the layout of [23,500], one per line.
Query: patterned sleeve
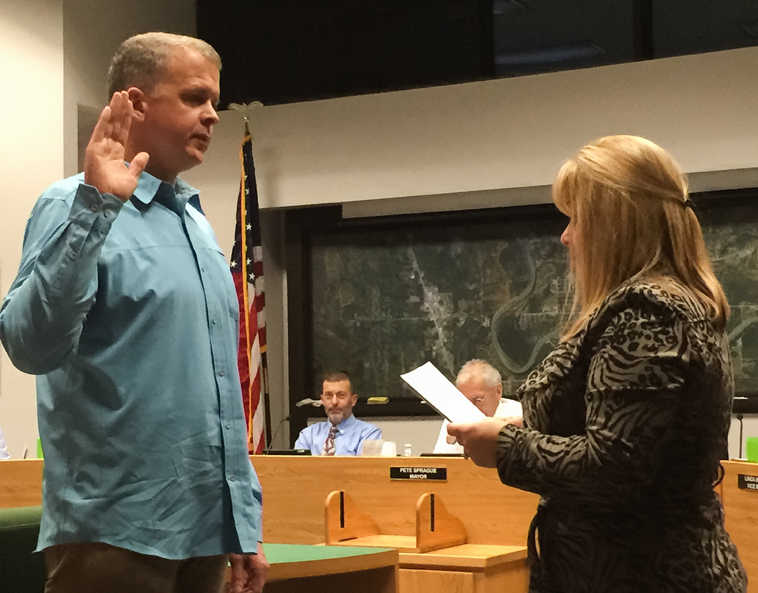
[634,382]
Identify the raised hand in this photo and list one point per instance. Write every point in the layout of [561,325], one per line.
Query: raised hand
[104,166]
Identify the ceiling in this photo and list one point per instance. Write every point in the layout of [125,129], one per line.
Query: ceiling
[291,50]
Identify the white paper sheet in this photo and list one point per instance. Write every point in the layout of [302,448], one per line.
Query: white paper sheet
[433,387]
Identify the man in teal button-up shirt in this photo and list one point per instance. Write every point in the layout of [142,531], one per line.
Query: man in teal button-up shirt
[125,309]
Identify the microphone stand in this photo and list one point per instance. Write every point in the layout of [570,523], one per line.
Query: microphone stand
[276,433]
[744,403]
[307,401]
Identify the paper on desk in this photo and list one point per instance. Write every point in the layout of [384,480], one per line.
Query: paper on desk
[441,394]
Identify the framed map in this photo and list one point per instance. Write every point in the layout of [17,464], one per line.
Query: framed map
[388,295]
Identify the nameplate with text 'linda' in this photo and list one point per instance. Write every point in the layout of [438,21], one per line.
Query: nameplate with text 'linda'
[747,482]
[418,473]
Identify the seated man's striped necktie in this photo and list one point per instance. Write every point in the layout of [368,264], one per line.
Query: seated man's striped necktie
[329,447]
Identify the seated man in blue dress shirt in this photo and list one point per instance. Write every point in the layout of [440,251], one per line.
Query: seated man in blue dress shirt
[343,433]
[125,309]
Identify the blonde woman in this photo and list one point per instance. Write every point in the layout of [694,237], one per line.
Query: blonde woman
[625,422]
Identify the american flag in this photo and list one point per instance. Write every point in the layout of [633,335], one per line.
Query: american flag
[247,269]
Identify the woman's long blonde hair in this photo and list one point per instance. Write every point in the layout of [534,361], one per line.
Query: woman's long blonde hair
[631,218]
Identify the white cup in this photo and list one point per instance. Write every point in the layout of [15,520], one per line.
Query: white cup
[389,449]
[372,447]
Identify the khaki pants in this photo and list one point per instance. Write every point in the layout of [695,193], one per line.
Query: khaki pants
[101,568]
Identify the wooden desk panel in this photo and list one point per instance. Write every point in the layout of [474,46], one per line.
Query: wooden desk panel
[295,490]
[469,567]
[741,515]
[466,556]
[510,578]
[20,483]
[426,581]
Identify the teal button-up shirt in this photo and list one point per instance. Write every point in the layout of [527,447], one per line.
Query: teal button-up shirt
[128,315]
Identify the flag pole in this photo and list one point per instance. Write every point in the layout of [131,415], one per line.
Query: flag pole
[251,107]
[247,267]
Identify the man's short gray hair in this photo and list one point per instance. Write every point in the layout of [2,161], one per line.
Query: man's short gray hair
[479,369]
[140,61]
[334,376]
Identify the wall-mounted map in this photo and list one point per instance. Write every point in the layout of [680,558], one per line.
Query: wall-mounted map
[731,233]
[386,299]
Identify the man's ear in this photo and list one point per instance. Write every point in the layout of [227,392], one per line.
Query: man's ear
[354,399]
[138,99]
[499,390]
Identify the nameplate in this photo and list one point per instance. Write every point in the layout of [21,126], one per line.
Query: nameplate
[418,473]
[747,482]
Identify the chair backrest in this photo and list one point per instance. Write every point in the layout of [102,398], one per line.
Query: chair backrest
[21,570]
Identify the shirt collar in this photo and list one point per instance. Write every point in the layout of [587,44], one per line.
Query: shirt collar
[148,187]
[346,423]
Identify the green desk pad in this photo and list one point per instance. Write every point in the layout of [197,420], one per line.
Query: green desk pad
[280,553]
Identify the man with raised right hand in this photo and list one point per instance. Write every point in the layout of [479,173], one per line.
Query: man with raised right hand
[125,309]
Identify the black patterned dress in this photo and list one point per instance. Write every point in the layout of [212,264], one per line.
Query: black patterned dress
[624,427]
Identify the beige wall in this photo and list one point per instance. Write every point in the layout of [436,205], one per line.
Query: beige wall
[506,133]
[31,60]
